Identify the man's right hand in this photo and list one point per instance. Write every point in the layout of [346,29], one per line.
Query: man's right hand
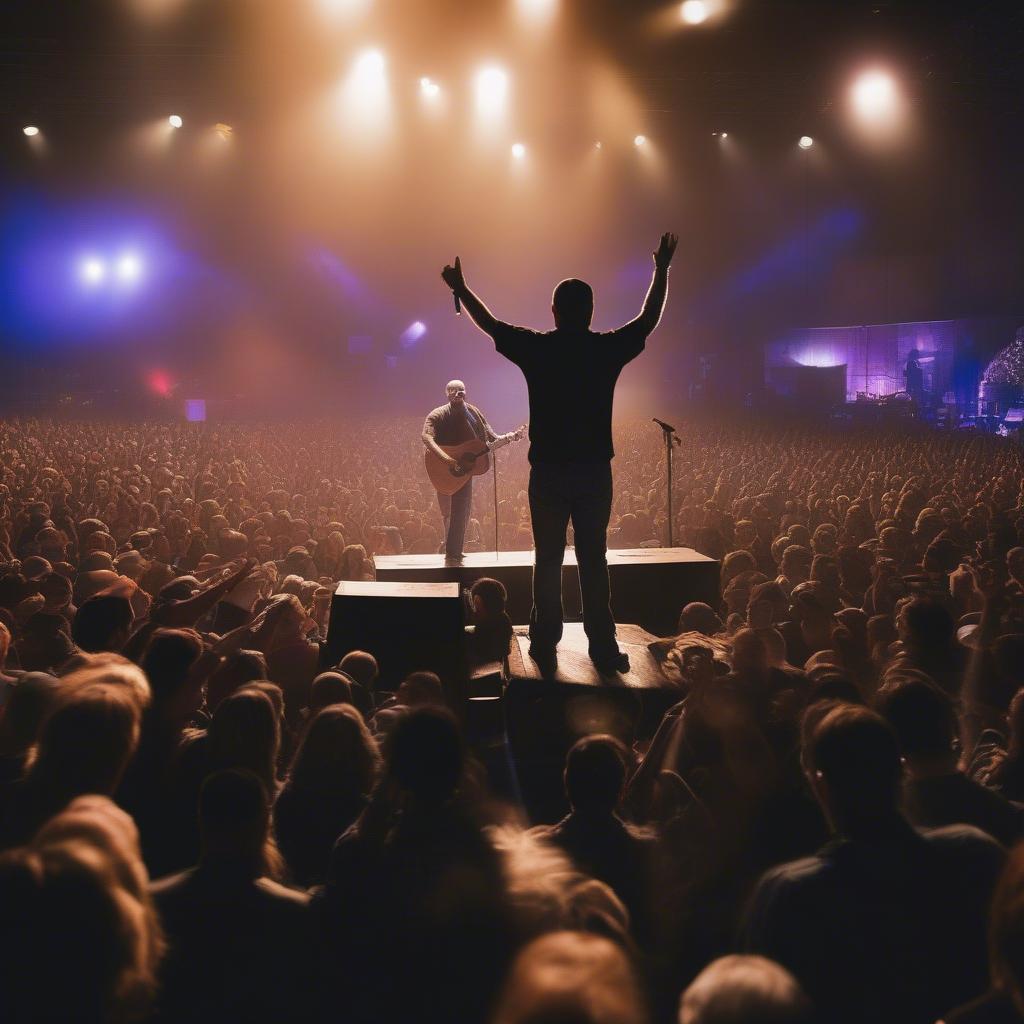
[666,250]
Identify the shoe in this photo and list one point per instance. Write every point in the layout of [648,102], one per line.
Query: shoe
[546,658]
[610,666]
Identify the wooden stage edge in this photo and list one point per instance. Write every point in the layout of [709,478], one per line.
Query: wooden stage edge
[649,585]
[476,560]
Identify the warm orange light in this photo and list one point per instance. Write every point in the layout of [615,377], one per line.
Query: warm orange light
[694,12]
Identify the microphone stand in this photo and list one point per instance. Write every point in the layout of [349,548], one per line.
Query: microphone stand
[494,473]
[671,439]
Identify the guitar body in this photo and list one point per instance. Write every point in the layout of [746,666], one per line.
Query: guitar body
[473,458]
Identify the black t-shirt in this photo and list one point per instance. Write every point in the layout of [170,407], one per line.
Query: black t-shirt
[571,379]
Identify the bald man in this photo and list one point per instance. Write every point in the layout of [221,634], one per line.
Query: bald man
[454,423]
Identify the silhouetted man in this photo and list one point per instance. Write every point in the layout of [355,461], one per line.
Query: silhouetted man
[571,373]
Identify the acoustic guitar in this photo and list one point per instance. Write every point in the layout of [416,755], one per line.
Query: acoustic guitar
[472,459]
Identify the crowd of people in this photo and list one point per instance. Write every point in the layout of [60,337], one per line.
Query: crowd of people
[202,819]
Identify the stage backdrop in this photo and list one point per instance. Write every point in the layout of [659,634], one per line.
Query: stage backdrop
[875,357]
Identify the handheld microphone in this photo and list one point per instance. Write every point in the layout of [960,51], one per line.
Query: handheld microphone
[663,425]
[458,304]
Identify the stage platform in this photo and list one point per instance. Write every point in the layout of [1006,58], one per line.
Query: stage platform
[574,667]
[649,585]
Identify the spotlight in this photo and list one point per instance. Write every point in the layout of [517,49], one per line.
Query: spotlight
[537,10]
[874,96]
[724,135]
[129,268]
[805,142]
[429,88]
[370,66]
[597,145]
[160,383]
[175,121]
[491,90]
[30,130]
[413,333]
[639,140]
[224,131]
[366,97]
[694,12]
[518,150]
[92,270]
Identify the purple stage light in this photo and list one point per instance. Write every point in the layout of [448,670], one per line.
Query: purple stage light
[92,270]
[195,410]
[413,333]
[819,357]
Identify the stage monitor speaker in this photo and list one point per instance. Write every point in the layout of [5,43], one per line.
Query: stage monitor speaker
[405,626]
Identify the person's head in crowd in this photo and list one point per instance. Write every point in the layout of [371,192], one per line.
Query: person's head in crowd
[84,746]
[234,672]
[749,654]
[361,666]
[103,623]
[290,621]
[571,978]
[97,820]
[924,720]
[333,687]
[1015,564]
[744,990]
[84,669]
[421,689]
[942,556]
[234,823]
[56,591]
[22,715]
[852,758]
[44,644]
[595,774]
[833,684]
[74,944]
[698,617]
[337,754]
[735,564]
[167,661]
[488,597]
[795,566]
[34,568]
[825,540]
[245,733]
[425,755]
[925,626]
[745,533]
[767,605]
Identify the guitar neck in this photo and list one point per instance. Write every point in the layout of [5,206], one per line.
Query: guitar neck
[502,441]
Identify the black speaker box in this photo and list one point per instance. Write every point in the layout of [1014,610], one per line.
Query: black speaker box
[405,626]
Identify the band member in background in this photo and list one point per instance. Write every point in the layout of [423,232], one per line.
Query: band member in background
[449,424]
[570,374]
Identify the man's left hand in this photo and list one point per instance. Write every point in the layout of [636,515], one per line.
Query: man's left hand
[452,275]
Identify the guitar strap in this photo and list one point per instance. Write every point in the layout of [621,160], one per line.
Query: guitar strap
[474,422]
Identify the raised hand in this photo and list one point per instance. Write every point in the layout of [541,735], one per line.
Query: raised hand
[666,250]
[452,275]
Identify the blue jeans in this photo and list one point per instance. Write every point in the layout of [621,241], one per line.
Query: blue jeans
[455,513]
[582,492]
